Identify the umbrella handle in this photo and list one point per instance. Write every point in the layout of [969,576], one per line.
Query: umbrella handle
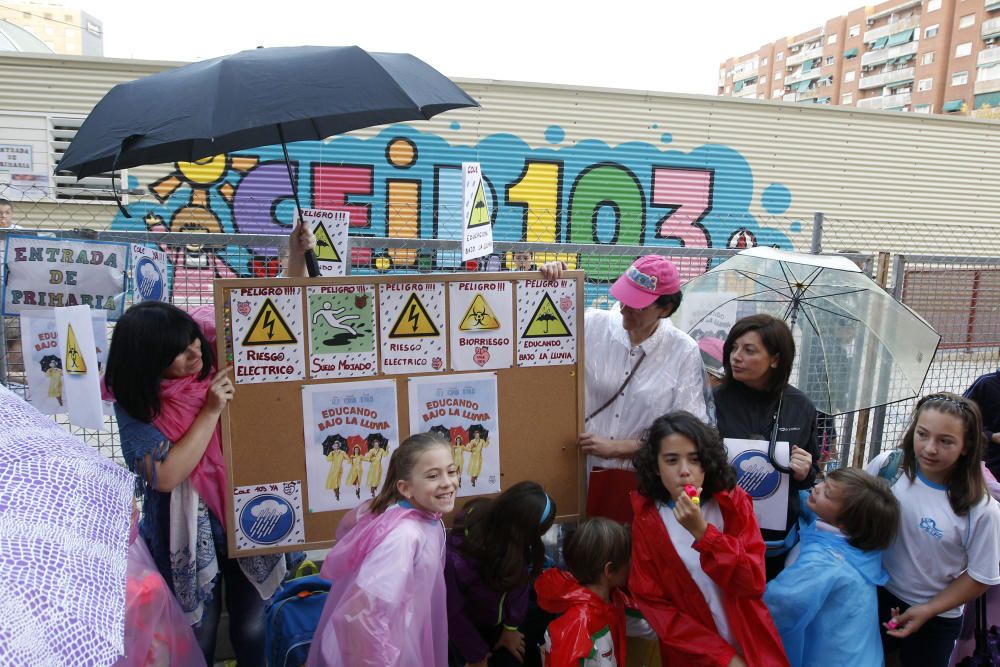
[774,439]
[312,266]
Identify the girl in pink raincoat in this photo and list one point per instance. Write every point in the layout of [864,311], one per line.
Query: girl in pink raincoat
[388,605]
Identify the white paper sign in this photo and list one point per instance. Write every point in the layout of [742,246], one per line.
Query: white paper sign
[343,340]
[763,483]
[464,410]
[351,428]
[481,324]
[268,337]
[43,364]
[51,273]
[546,322]
[15,158]
[268,515]
[709,315]
[412,327]
[81,377]
[149,274]
[330,228]
[477,228]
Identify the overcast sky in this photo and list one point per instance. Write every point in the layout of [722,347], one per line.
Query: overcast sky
[662,45]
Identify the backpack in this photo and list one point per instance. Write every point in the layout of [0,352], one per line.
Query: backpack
[892,469]
[291,619]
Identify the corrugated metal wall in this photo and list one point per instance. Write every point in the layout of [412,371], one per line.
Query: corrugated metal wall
[887,181]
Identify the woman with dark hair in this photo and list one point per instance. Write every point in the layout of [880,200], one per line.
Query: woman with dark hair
[756,402]
[169,396]
[495,552]
[698,562]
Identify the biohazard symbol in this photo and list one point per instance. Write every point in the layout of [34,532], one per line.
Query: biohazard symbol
[269,328]
[480,214]
[73,363]
[325,249]
[546,322]
[413,321]
[479,316]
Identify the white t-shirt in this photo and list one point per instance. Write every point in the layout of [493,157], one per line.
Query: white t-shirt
[683,542]
[672,378]
[934,545]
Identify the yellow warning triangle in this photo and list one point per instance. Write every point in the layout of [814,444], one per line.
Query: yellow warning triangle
[479,316]
[269,328]
[413,321]
[73,363]
[325,249]
[480,214]
[546,322]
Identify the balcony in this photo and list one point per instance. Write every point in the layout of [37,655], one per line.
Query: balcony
[796,77]
[988,57]
[885,101]
[746,91]
[802,56]
[991,5]
[882,55]
[988,86]
[991,28]
[886,78]
[891,28]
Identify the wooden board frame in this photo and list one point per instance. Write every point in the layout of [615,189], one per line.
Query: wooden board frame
[541,411]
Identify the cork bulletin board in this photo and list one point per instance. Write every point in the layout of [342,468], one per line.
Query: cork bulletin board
[331,374]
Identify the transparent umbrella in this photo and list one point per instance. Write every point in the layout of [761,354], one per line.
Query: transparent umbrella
[857,347]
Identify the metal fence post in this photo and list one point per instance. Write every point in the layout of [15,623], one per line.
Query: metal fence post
[816,247]
[860,437]
[878,423]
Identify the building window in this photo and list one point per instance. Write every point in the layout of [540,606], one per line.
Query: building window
[849,76]
[832,39]
[780,56]
[963,49]
[925,84]
[847,98]
[959,78]
[966,21]
[930,31]
[763,79]
[922,108]
[777,92]
[928,58]
[829,60]
[777,74]
[933,5]
[853,31]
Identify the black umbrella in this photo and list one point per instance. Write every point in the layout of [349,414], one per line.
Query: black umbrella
[256,98]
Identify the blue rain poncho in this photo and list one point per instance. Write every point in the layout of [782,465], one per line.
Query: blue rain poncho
[824,604]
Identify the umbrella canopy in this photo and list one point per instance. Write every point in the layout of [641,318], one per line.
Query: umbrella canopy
[64,529]
[857,347]
[259,97]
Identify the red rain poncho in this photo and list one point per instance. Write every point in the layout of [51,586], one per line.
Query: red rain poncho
[584,614]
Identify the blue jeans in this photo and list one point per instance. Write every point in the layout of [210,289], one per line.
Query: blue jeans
[246,617]
[930,646]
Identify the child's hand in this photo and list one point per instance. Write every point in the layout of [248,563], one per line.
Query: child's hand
[552,270]
[737,661]
[513,641]
[689,515]
[909,621]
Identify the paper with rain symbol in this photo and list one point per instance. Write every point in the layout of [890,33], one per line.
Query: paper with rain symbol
[546,322]
[149,274]
[481,325]
[268,515]
[464,410]
[350,430]
[412,327]
[267,334]
[766,486]
[342,336]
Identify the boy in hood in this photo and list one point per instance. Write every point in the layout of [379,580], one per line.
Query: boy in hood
[824,603]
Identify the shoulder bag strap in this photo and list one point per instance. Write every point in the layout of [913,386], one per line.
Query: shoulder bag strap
[618,391]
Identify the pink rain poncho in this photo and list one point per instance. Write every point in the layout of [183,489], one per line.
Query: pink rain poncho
[387,606]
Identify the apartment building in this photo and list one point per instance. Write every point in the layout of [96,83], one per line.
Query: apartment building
[924,56]
[65,30]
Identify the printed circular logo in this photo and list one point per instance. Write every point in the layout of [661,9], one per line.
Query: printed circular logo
[148,280]
[756,475]
[267,519]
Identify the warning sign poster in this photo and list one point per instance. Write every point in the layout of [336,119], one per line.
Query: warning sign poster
[412,327]
[546,322]
[330,228]
[268,341]
[482,325]
[342,340]
[477,230]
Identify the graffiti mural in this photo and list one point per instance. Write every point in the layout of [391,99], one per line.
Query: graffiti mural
[404,183]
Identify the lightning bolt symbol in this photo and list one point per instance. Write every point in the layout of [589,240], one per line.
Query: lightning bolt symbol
[268,323]
[414,316]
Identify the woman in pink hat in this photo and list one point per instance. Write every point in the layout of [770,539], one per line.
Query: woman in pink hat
[638,367]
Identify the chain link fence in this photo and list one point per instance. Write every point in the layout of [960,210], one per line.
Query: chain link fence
[958,295]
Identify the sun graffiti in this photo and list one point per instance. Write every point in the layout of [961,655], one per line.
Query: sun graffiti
[201,176]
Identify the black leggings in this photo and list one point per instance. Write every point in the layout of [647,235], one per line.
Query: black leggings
[930,646]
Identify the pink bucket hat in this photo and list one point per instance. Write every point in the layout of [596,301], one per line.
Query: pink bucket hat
[649,277]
